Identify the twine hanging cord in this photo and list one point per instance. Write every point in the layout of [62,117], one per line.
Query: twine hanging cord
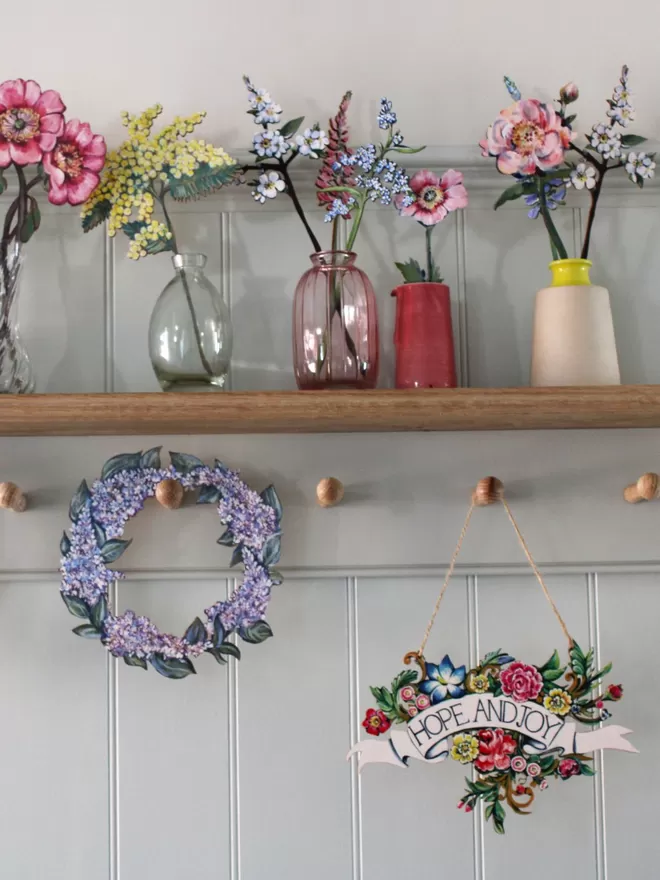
[530,559]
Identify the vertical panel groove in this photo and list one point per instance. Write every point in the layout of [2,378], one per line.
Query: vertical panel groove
[599,764]
[461,262]
[354,725]
[473,654]
[113,752]
[233,758]
[108,311]
[225,274]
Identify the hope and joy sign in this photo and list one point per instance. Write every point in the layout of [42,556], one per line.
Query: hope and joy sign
[514,722]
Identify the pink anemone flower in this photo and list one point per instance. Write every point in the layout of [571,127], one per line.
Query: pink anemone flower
[30,121]
[526,136]
[73,165]
[434,196]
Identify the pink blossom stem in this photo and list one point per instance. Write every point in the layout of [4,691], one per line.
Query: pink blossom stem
[429,257]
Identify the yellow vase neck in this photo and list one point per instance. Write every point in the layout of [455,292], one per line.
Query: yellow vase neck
[570,273]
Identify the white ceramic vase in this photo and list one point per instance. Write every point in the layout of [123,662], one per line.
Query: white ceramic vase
[573,337]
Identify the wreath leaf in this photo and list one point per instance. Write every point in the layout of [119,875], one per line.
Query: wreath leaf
[218,631]
[126,461]
[226,539]
[229,648]
[130,660]
[112,550]
[195,633]
[272,550]
[256,633]
[185,463]
[214,652]
[99,613]
[87,631]
[171,667]
[151,459]
[65,544]
[77,607]
[209,495]
[272,499]
[79,500]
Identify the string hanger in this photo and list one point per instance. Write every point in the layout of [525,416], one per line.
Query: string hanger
[488,490]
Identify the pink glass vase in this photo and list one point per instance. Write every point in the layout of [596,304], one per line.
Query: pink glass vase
[423,337]
[335,325]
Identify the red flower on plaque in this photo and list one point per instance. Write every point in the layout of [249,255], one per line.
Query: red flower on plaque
[522,682]
[568,767]
[615,691]
[376,722]
[495,749]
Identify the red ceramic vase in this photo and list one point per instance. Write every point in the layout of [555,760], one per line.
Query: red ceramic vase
[423,337]
[335,325]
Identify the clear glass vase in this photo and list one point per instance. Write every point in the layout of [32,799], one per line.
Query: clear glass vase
[335,325]
[16,376]
[190,333]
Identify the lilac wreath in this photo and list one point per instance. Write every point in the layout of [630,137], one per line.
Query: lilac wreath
[99,514]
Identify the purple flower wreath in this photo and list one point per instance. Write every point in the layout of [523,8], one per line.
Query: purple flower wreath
[99,515]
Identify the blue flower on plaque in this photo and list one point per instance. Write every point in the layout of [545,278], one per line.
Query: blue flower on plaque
[443,680]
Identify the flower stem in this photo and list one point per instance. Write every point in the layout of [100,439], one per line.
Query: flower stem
[284,171]
[359,211]
[556,244]
[184,280]
[429,258]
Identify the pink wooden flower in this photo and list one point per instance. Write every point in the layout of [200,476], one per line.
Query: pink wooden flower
[435,196]
[526,136]
[30,121]
[73,165]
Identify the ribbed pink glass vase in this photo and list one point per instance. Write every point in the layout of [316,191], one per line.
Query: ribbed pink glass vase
[335,325]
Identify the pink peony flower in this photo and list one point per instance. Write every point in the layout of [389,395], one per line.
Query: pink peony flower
[495,747]
[73,164]
[521,682]
[435,196]
[518,764]
[423,701]
[30,121]
[526,136]
[407,694]
[533,769]
[569,93]
[568,767]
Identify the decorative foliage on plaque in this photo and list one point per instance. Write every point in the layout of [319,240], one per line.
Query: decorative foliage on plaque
[513,724]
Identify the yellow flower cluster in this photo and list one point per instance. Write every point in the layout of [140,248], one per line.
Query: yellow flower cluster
[140,170]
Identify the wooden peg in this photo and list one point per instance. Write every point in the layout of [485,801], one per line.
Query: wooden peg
[11,497]
[487,491]
[329,492]
[169,493]
[645,489]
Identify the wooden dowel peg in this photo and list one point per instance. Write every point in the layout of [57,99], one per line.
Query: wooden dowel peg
[11,498]
[645,489]
[489,490]
[329,492]
[169,493]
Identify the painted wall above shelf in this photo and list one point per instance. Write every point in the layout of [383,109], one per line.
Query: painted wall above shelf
[460,409]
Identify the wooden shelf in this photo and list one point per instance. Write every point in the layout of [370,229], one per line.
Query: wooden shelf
[459,409]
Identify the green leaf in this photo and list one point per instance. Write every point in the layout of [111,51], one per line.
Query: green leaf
[632,140]
[510,194]
[553,674]
[3,183]
[226,539]
[99,534]
[404,149]
[214,652]
[99,613]
[77,607]
[32,221]
[87,631]
[272,499]
[272,550]
[553,663]
[171,667]
[209,495]
[386,702]
[185,463]
[236,556]
[126,461]
[601,674]
[162,243]
[257,632]
[135,661]
[291,127]
[230,649]
[578,660]
[276,576]
[547,762]
[403,679]
[204,181]
[151,459]
[78,501]
[65,544]
[587,770]
[218,631]
[99,214]
[195,633]
[569,120]
[499,816]
[412,272]
[112,550]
